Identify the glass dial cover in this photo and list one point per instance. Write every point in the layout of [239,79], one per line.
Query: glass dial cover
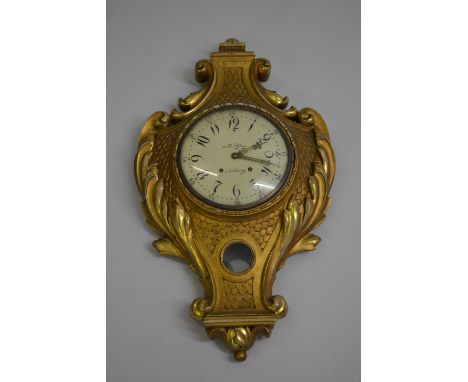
[234,157]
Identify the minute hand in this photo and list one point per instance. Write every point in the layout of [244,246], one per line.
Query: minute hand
[255,146]
[240,155]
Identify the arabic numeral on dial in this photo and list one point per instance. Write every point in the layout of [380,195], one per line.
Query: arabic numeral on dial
[214,129]
[195,158]
[252,125]
[277,154]
[202,140]
[202,175]
[218,183]
[236,190]
[266,170]
[234,123]
[266,137]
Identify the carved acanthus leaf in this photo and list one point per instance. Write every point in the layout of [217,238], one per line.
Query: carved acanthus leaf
[167,248]
[174,226]
[299,219]
[240,338]
[276,99]
[156,121]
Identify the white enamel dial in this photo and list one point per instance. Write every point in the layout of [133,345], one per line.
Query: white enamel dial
[234,158]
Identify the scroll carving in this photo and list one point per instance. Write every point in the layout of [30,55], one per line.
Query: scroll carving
[204,72]
[261,69]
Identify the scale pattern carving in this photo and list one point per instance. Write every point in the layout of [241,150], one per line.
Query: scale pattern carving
[214,230]
[234,89]
[238,295]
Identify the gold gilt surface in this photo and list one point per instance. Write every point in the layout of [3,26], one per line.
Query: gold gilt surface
[235,307]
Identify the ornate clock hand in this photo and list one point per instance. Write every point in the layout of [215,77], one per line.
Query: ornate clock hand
[240,155]
[255,146]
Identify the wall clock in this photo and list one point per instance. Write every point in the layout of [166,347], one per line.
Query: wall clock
[233,183]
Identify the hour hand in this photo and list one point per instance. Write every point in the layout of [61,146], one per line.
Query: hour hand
[240,155]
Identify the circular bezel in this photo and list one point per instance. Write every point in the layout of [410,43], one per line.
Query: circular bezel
[253,109]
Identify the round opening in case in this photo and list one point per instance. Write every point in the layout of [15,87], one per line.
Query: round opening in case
[237,258]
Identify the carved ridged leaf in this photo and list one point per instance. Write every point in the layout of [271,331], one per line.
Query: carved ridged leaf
[183,232]
[298,221]
[192,100]
[290,224]
[150,220]
[167,248]
[141,164]
[307,243]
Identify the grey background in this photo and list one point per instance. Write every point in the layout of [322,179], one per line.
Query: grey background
[314,48]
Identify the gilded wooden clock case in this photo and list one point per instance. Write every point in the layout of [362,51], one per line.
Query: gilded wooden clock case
[236,306]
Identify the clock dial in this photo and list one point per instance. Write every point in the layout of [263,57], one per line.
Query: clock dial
[234,158]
